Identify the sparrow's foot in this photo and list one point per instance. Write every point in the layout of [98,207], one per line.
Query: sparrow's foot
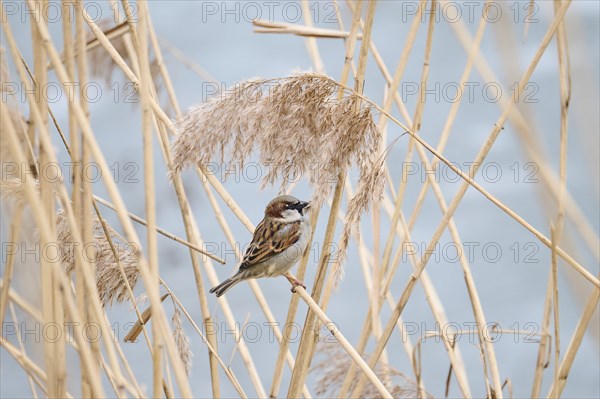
[295,282]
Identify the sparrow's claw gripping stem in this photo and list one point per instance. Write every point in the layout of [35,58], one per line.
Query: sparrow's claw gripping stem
[294,281]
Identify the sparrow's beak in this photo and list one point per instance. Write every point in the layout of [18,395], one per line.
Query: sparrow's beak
[302,206]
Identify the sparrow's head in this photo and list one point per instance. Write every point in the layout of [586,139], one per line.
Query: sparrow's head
[286,207]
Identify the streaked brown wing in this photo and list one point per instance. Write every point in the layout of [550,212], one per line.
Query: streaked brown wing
[270,238]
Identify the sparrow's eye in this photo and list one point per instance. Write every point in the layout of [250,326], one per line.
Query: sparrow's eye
[292,206]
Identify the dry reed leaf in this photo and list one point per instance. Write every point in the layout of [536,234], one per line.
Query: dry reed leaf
[109,281]
[334,366]
[137,327]
[182,341]
[299,128]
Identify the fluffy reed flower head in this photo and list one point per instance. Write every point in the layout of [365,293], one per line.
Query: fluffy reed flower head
[182,341]
[109,280]
[306,125]
[13,190]
[334,366]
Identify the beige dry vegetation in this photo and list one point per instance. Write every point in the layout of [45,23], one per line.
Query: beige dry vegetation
[304,124]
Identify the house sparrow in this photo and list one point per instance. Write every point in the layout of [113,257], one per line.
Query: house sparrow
[278,243]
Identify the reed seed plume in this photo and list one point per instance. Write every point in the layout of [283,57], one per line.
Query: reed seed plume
[334,366]
[182,341]
[300,126]
[13,190]
[109,281]
[370,187]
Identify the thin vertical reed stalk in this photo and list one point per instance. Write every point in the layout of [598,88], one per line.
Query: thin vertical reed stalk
[90,142]
[149,185]
[30,378]
[293,307]
[42,223]
[533,147]
[13,237]
[54,355]
[306,347]
[368,372]
[452,207]
[543,351]
[565,366]
[81,186]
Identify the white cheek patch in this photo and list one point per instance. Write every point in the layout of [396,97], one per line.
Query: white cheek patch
[291,215]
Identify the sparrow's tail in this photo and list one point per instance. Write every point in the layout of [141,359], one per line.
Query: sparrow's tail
[224,286]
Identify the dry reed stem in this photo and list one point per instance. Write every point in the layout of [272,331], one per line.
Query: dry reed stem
[396,215]
[507,110]
[128,72]
[39,215]
[44,141]
[555,311]
[90,142]
[108,233]
[150,188]
[478,310]
[306,347]
[565,367]
[137,328]
[388,101]
[469,181]
[365,257]
[468,276]
[263,26]
[188,62]
[487,346]
[368,372]
[54,352]
[22,303]
[163,232]
[226,369]
[34,313]
[533,147]
[29,366]
[293,307]
[311,42]
[30,378]
[437,310]
[481,155]
[184,206]
[81,186]
[245,353]
[162,69]
[13,236]
[543,357]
